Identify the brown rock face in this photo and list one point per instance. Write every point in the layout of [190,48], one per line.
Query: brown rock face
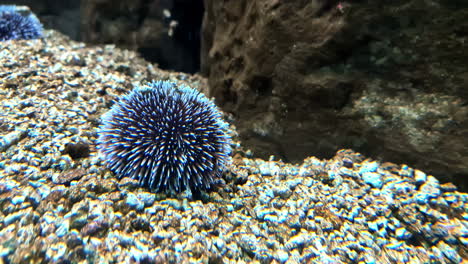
[388,79]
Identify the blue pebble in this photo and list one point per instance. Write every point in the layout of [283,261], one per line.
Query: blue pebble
[372,226]
[147,198]
[452,254]
[44,191]
[368,167]
[332,175]
[372,178]
[432,191]
[406,171]
[271,218]
[402,234]
[17,200]
[266,194]
[292,171]
[355,212]
[282,255]
[395,245]
[421,198]
[262,211]
[292,183]
[62,229]
[264,169]
[12,218]
[133,201]
[176,204]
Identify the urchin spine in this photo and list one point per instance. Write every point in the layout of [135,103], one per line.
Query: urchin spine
[168,138]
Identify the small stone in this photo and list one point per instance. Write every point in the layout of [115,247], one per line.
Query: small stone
[147,198]
[419,176]
[372,178]
[372,226]
[56,251]
[94,227]
[63,228]
[368,167]
[298,240]
[448,187]
[17,199]
[449,252]
[282,256]
[402,234]
[16,216]
[133,201]
[271,218]
[430,190]
[282,191]
[405,171]
[261,211]
[66,178]
[11,138]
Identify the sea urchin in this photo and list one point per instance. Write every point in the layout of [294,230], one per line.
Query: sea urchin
[168,138]
[15,25]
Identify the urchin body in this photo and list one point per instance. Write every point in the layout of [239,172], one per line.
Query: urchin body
[14,25]
[169,139]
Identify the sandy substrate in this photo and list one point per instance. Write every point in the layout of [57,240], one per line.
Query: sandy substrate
[59,203]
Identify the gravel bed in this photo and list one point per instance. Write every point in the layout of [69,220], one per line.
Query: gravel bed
[60,204]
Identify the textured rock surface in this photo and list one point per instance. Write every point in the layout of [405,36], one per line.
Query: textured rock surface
[386,78]
[59,203]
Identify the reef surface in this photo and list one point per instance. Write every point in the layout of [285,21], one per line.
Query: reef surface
[58,202]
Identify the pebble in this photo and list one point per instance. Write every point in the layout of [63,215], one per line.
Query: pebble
[18,199]
[133,202]
[372,178]
[368,167]
[63,228]
[419,176]
[11,138]
[147,198]
[14,217]
[298,240]
[449,252]
[402,234]
[56,252]
[282,256]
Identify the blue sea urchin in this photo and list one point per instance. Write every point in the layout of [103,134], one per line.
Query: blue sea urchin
[169,139]
[14,25]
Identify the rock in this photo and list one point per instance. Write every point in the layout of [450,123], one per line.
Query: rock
[373,179]
[349,74]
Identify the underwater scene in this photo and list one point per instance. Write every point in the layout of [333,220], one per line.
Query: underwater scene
[204,131]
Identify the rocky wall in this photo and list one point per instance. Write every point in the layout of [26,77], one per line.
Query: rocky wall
[309,77]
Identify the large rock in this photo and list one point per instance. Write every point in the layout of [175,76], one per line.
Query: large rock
[389,79]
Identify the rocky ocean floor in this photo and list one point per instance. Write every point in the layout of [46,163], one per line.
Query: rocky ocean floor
[59,203]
